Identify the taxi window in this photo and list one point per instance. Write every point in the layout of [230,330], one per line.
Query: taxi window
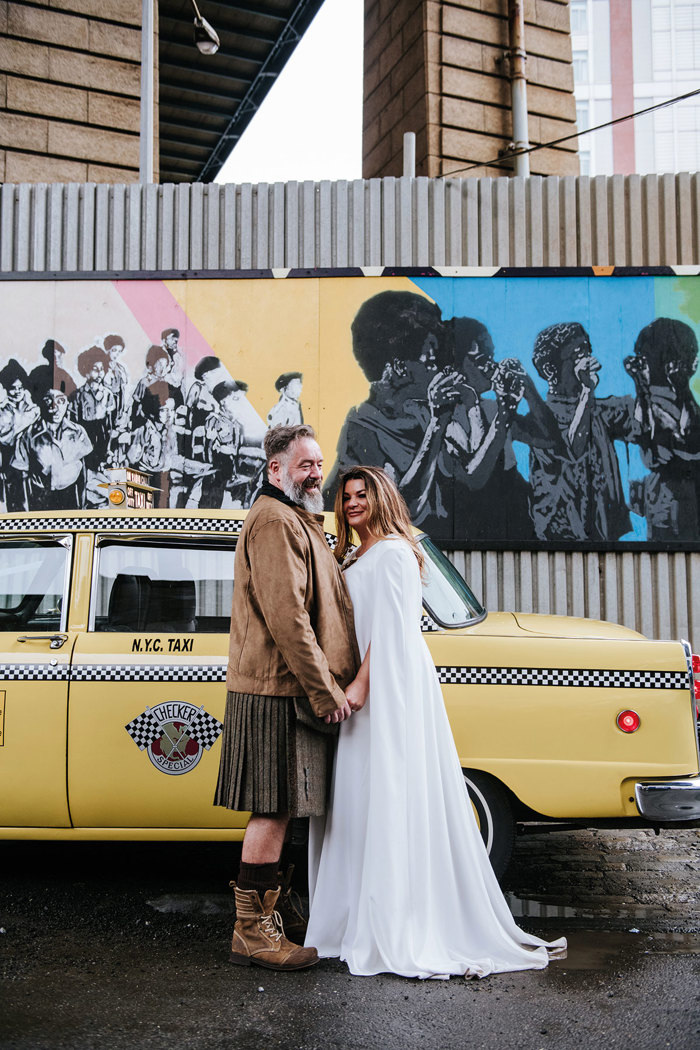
[166,587]
[446,596]
[33,581]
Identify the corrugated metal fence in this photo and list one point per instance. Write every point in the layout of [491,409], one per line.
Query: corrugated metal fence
[622,220]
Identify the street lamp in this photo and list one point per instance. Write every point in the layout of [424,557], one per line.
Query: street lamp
[205,37]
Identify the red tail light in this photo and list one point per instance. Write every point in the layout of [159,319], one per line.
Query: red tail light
[696,679]
[628,721]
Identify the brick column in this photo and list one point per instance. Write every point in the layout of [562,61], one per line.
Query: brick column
[69,91]
[438,68]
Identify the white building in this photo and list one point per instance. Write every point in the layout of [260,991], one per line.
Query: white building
[627,55]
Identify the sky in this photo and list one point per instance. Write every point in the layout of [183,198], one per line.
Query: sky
[310,124]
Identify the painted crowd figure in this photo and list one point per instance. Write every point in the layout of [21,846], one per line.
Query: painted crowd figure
[665,360]
[577,490]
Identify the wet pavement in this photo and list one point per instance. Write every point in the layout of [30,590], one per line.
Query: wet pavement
[124,946]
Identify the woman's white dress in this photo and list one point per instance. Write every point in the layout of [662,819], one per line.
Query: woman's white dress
[399,878]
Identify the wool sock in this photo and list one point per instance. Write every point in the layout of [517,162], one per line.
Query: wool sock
[260,877]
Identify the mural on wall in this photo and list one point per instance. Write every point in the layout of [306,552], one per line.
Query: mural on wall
[518,409]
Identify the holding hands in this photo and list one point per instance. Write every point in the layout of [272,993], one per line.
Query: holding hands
[357,693]
[339,715]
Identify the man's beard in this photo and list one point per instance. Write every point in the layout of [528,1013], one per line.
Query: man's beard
[310,499]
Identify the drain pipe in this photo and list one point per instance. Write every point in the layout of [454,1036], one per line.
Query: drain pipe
[518,84]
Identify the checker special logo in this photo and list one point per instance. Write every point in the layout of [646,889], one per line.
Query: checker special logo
[174,734]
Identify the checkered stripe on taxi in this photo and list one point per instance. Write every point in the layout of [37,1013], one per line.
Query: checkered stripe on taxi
[149,672]
[548,676]
[35,672]
[516,676]
[231,527]
[113,672]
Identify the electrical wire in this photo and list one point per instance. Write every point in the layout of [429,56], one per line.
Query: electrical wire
[501,160]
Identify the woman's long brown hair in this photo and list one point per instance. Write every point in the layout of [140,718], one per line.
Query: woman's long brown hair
[388,513]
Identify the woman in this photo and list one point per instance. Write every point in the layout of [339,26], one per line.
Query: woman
[399,878]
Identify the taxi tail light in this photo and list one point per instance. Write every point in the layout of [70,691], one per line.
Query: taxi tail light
[696,682]
[628,721]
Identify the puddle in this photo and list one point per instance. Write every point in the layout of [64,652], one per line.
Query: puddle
[194,904]
[610,950]
[673,944]
[522,908]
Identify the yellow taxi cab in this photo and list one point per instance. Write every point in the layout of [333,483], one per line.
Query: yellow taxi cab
[113,645]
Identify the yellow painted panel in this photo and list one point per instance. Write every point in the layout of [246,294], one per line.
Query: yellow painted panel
[33,723]
[558,748]
[112,780]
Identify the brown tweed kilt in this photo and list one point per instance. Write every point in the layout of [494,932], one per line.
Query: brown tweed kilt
[276,756]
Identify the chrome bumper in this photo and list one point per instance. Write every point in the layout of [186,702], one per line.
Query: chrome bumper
[669,799]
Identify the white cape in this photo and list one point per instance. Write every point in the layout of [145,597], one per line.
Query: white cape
[399,878]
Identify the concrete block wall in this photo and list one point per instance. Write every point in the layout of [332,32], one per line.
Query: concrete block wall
[438,69]
[69,90]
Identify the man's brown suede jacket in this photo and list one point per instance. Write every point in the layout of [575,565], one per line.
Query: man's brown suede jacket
[292,631]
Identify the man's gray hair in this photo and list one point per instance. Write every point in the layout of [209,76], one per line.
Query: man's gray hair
[279,438]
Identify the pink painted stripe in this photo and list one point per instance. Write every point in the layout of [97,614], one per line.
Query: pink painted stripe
[156,308]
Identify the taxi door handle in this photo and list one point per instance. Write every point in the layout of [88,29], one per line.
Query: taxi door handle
[55,640]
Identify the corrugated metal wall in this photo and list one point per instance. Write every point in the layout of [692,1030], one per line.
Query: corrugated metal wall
[622,220]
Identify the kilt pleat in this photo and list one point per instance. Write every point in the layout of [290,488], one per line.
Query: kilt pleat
[253,764]
[275,756]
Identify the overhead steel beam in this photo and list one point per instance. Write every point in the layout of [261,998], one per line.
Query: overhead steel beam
[168,100]
[202,74]
[259,10]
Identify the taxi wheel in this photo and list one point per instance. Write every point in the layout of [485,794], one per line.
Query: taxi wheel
[493,815]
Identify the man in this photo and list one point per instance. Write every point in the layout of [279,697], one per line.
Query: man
[158,370]
[52,375]
[292,653]
[117,379]
[50,454]
[664,363]
[397,340]
[238,467]
[153,446]
[21,413]
[486,464]
[579,495]
[287,411]
[169,339]
[93,405]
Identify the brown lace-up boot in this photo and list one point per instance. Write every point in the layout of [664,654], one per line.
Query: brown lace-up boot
[290,909]
[258,936]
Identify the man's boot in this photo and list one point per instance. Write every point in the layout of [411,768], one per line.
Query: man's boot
[290,910]
[258,936]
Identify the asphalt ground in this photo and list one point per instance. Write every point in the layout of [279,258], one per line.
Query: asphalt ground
[125,946]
